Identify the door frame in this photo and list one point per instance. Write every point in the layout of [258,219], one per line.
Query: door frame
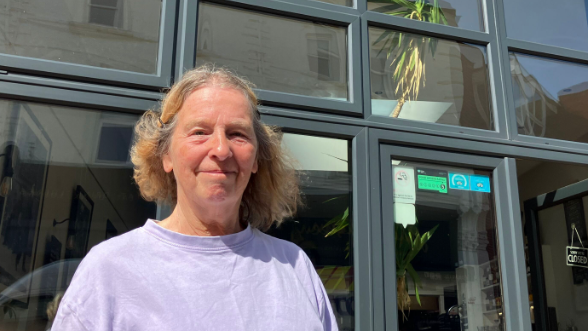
[386,145]
[532,208]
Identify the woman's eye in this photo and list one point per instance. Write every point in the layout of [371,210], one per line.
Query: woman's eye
[198,133]
[238,134]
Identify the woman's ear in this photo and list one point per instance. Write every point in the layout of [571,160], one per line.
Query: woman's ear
[168,165]
[255,167]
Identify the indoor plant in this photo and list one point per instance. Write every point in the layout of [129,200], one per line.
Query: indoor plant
[409,243]
[406,53]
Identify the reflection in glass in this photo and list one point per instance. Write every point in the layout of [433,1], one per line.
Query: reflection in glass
[116,34]
[322,228]
[58,199]
[429,79]
[559,23]
[466,14]
[275,53]
[550,97]
[561,298]
[446,243]
[347,3]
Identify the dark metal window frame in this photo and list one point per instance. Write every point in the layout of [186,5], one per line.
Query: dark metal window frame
[316,13]
[543,51]
[488,39]
[373,138]
[90,74]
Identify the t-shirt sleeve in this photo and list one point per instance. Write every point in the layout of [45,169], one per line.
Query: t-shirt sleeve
[67,319]
[328,318]
[324,305]
[86,304]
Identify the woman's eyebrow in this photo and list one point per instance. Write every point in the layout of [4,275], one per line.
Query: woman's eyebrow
[201,122]
[240,124]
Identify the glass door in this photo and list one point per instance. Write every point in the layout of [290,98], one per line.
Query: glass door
[442,262]
[555,223]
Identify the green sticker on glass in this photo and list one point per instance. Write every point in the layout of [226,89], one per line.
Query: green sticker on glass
[432,183]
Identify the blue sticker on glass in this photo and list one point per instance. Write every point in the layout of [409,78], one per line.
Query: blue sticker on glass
[480,183]
[459,181]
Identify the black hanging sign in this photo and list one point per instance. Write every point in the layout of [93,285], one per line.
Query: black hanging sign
[577,257]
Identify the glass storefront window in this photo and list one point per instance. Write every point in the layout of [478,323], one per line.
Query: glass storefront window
[561,23]
[429,79]
[115,34]
[65,186]
[322,227]
[466,14]
[550,97]
[554,217]
[276,53]
[446,247]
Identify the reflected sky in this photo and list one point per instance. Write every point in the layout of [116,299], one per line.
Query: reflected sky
[553,75]
[556,23]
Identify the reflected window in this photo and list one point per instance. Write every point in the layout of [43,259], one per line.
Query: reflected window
[466,14]
[79,32]
[106,12]
[322,227]
[58,199]
[550,97]
[276,53]
[447,259]
[428,79]
[561,23]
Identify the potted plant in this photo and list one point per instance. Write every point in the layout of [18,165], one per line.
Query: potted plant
[406,54]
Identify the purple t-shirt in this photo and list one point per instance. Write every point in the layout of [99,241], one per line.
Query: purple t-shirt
[155,279]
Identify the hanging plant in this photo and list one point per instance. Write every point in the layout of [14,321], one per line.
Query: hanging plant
[409,243]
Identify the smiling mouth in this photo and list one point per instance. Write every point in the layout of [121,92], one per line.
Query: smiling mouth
[217,172]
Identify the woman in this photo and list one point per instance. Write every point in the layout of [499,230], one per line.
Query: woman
[207,266]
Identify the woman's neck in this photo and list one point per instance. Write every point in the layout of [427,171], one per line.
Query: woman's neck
[203,221]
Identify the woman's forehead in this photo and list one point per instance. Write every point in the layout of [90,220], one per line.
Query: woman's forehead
[217,94]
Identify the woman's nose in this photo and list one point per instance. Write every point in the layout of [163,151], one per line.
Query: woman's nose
[220,147]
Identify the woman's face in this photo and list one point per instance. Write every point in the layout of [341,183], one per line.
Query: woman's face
[213,148]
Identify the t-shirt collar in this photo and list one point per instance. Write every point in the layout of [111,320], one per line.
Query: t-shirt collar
[229,241]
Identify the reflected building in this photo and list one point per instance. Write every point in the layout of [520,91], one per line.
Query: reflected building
[541,114]
[114,34]
[283,55]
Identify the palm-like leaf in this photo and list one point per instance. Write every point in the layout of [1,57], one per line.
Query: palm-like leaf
[408,53]
[409,242]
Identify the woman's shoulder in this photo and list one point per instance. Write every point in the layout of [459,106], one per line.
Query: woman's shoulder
[277,243]
[284,250]
[119,246]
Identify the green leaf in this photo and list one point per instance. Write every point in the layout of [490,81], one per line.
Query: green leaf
[406,4]
[404,13]
[412,62]
[387,8]
[382,36]
[333,220]
[416,281]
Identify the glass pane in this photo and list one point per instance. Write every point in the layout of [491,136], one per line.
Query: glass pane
[559,23]
[57,200]
[275,53]
[456,259]
[347,3]
[114,34]
[550,97]
[560,302]
[322,228]
[466,14]
[429,79]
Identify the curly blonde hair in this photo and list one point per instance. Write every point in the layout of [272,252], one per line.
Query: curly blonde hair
[272,193]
